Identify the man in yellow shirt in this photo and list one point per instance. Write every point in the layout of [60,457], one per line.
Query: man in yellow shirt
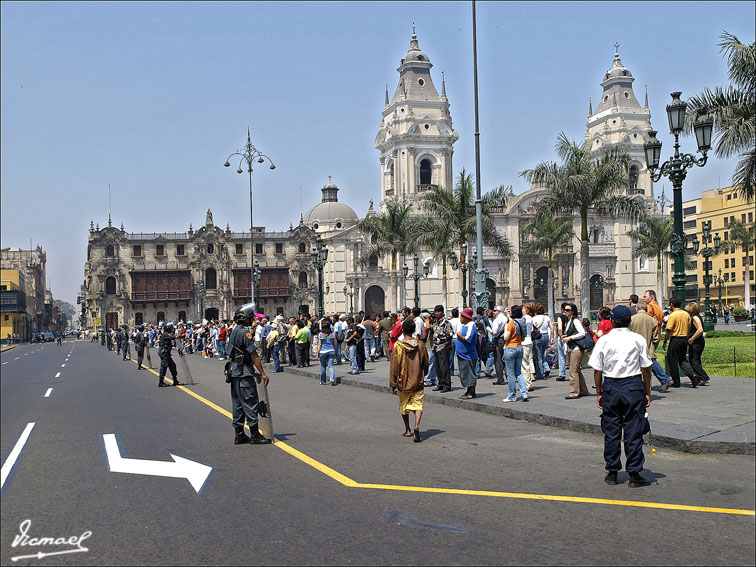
[678,328]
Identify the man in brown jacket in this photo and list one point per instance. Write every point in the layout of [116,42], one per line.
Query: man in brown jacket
[646,326]
[409,365]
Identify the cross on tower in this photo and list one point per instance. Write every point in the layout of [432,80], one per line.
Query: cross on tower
[616,48]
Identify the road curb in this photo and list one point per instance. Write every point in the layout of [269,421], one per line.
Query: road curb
[656,441]
[6,348]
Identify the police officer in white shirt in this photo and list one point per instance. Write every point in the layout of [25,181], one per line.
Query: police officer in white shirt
[622,372]
[498,328]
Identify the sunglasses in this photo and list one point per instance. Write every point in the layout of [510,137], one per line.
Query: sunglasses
[568,310]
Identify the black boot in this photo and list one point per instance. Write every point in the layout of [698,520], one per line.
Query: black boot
[257,438]
[241,439]
[637,480]
[162,384]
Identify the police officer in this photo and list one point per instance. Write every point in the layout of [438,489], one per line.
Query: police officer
[139,346]
[166,343]
[622,372]
[244,401]
[125,348]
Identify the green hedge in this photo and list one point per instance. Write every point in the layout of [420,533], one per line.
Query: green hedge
[715,334]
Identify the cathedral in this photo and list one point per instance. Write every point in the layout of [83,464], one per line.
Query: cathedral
[205,273]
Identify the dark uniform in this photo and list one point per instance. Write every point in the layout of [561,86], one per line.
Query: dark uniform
[139,347]
[125,348]
[110,340]
[244,401]
[166,344]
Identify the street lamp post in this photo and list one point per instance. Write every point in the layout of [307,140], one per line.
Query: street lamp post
[416,276]
[350,295]
[250,154]
[256,277]
[720,280]
[463,266]
[674,169]
[201,293]
[319,256]
[662,201]
[707,252]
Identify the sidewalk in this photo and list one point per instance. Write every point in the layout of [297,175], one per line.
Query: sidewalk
[718,418]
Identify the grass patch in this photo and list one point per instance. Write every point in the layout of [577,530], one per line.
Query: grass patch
[719,358]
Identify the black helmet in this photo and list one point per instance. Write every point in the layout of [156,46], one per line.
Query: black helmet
[169,325]
[141,327]
[244,312]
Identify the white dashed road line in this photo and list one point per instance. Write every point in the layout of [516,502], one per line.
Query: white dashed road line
[15,453]
[49,391]
[62,365]
[57,375]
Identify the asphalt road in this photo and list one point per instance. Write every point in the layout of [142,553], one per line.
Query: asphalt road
[261,505]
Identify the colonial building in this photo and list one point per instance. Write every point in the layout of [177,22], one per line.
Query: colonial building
[136,278]
[32,265]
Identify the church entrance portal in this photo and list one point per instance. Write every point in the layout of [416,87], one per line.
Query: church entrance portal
[375,300]
[211,314]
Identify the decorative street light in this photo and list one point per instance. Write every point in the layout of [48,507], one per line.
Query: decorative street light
[463,266]
[201,292]
[416,276]
[662,201]
[674,169]
[256,277]
[319,256]
[250,154]
[350,295]
[720,280]
[707,252]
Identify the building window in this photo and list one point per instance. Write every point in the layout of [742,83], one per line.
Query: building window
[138,319]
[110,286]
[279,247]
[373,261]
[689,211]
[727,263]
[689,224]
[425,172]
[743,218]
[732,263]
[160,316]
[180,250]
[239,248]
[732,276]
[160,250]
[729,196]
[727,235]
[750,217]
[210,248]
[137,251]
[302,248]
[211,279]
[633,178]
[109,251]
[258,248]
[182,316]
[302,279]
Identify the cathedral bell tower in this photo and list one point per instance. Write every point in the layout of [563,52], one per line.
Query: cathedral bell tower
[416,134]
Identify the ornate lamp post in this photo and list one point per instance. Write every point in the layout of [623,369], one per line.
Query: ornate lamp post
[201,293]
[256,277]
[463,266]
[350,295]
[720,280]
[416,276]
[662,201]
[319,256]
[674,169]
[707,252]
[250,154]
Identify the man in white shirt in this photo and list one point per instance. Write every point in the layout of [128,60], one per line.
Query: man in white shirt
[419,324]
[456,327]
[622,372]
[498,327]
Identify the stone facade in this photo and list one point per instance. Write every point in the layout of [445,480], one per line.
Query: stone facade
[32,264]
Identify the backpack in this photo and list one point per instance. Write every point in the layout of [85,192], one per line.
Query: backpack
[535,334]
[360,331]
[482,345]
[340,331]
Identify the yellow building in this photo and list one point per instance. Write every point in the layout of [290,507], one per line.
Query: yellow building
[12,305]
[722,206]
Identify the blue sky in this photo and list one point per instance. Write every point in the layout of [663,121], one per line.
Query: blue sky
[152,97]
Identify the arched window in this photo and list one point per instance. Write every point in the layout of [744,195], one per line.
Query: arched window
[302,248]
[110,251]
[425,172]
[210,248]
[138,319]
[182,316]
[633,179]
[211,280]
[110,286]
[160,316]
[302,279]
[373,261]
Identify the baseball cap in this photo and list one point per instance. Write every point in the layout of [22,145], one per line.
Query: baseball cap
[619,312]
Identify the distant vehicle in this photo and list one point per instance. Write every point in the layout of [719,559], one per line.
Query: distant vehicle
[48,337]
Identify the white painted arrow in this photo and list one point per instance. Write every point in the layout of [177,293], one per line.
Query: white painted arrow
[196,473]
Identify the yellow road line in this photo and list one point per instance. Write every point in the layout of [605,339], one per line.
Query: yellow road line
[346,481]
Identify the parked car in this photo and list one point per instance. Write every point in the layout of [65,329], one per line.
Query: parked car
[48,337]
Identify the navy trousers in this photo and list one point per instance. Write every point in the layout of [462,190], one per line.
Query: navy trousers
[244,403]
[624,406]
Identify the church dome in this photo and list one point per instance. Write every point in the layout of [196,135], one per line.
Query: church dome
[330,210]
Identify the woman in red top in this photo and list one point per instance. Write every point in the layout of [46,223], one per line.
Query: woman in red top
[605,325]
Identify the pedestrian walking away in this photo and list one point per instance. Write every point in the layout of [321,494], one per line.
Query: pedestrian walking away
[622,373]
[165,344]
[467,353]
[244,359]
[409,364]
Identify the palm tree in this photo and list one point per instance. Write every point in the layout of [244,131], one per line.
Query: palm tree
[744,237]
[544,233]
[393,231]
[654,235]
[734,112]
[451,218]
[581,184]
